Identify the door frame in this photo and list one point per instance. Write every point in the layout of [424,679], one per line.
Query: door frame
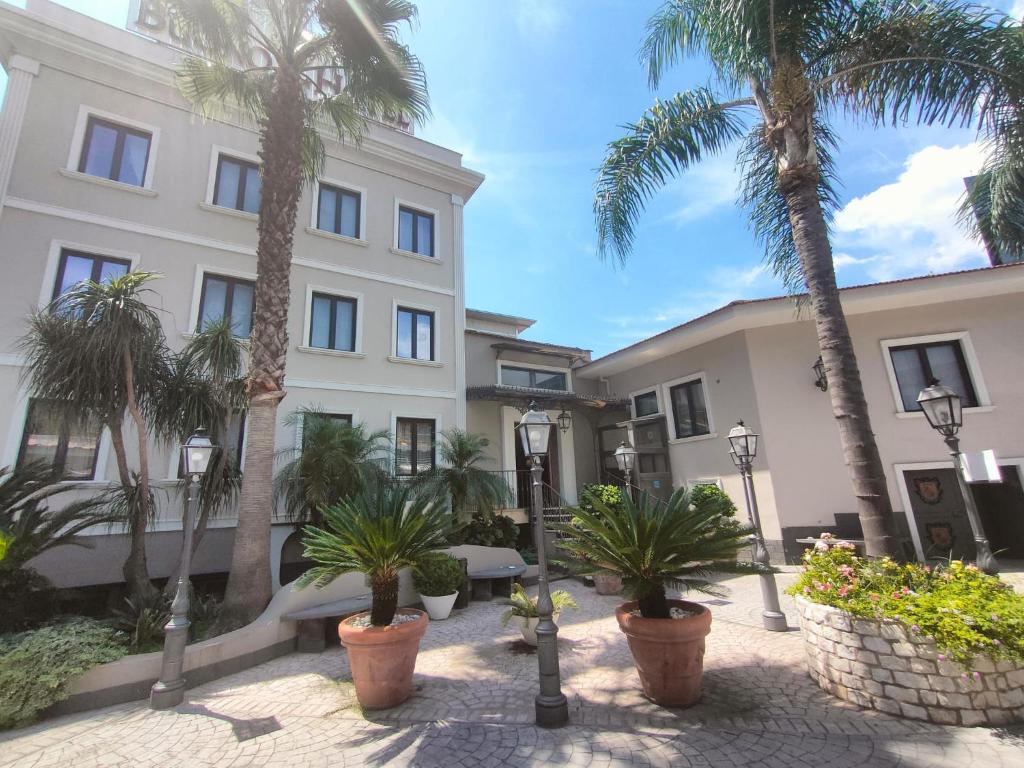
[510,416]
[904,491]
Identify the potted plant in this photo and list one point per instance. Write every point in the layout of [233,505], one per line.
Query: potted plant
[379,531]
[653,545]
[607,582]
[438,579]
[523,609]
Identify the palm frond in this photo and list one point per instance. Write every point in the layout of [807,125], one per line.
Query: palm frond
[993,207]
[669,138]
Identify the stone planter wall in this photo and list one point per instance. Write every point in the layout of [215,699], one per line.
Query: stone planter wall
[883,666]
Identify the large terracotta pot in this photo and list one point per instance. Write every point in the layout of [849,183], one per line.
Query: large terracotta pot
[606,583]
[668,653]
[383,658]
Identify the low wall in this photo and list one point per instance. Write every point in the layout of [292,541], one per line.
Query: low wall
[880,665]
[269,636]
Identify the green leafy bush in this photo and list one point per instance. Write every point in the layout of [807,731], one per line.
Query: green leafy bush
[606,495]
[521,604]
[142,621]
[36,666]
[488,530]
[967,612]
[437,575]
[711,498]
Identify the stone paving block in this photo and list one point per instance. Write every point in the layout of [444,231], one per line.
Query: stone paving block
[905,695]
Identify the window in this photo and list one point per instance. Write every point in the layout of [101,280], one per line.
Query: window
[76,267]
[415,334]
[415,231]
[228,298]
[338,211]
[339,418]
[112,151]
[333,323]
[915,365]
[237,185]
[414,446]
[70,445]
[689,409]
[645,404]
[533,379]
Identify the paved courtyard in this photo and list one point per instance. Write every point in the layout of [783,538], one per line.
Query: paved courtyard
[473,706]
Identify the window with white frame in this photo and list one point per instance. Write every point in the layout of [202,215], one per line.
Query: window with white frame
[332,323]
[414,446]
[415,334]
[237,184]
[415,231]
[645,404]
[66,442]
[533,378]
[76,267]
[227,298]
[309,421]
[689,409]
[115,152]
[916,365]
[338,210]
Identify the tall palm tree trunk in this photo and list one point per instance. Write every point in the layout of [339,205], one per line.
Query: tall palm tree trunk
[249,585]
[810,233]
[136,567]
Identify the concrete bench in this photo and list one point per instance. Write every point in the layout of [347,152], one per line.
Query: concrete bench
[312,621]
[495,580]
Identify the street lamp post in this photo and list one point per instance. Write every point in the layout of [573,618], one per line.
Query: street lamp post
[943,409]
[625,457]
[551,706]
[169,690]
[744,449]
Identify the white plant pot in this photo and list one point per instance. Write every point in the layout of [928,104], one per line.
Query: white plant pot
[439,606]
[528,628]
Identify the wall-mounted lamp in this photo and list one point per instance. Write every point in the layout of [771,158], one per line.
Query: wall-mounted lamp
[820,378]
[564,421]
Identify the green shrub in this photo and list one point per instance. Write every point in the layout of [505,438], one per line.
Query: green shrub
[608,495]
[967,612]
[711,498]
[142,621]
[437,575]
[203,612]
[488,530]
[28,599]
[521,604]
[36,666]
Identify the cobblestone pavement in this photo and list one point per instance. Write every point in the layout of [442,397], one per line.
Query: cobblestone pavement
[473,706]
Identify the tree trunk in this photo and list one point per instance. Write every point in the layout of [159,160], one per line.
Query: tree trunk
[249,585]
[653,604]
[810,233]
[384,599]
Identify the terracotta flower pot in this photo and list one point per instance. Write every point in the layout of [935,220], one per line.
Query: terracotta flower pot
[383,658]
[668,653]
[607,583]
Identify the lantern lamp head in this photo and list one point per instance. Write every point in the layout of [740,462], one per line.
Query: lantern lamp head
[564,421]
[625,457]
[534,431]
[197,451]
[820,376]
[744,443]
[942,408]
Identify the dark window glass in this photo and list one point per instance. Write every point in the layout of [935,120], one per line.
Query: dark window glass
[69,445]
[114,152]
[237,185]
[340,418]
[689,410]
[234,443]
[916,365]
[75,267]
[645,404]
[534,379]
[227,297]
[338,211]
[414,446]
[333,323]
[415,334]
[415,231]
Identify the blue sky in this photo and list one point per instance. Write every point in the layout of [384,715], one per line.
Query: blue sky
[531,92]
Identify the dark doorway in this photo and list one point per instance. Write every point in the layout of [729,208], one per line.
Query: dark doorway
[549,463]
[1001,508]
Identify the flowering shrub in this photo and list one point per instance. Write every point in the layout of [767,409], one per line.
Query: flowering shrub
[967,612]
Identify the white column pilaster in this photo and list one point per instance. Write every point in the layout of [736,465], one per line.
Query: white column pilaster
[458,258]
[20,73]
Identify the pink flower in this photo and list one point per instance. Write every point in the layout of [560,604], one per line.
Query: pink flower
[994,617]
[977,675]
[843,591]
[846,570]
[963,675]
[905,590]
[914,628]
[942,657]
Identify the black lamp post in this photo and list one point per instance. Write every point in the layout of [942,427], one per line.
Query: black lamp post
[744,448]
[551,706]
[169,690]
[944,411]
[625,457]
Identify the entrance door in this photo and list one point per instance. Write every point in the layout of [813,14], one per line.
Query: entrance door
[549,463]
[1001,509]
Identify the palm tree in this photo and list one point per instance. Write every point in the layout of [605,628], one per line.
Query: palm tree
[335,461]
[787,68]
[283,91]
[99,350]
[460,479]
[380,531]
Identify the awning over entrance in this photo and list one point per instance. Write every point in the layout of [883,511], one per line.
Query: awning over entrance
[521,397]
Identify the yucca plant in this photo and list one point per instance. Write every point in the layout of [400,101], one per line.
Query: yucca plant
[654,545]
[379,531]
[521,604]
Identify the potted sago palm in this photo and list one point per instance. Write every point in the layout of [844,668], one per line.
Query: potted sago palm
[379,531]
[437,579]
[654,545]
[523,611]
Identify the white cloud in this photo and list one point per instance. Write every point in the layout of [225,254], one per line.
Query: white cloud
[705,188]
[1017,11]
[909,226]
[538,18]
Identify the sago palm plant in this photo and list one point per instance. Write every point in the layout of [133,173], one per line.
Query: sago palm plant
[294,68]
[459,478]
[785,70]
[380,531]
[654,545]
